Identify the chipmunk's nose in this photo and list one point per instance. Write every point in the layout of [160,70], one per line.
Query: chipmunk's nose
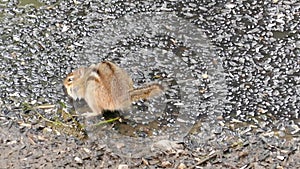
[65,89]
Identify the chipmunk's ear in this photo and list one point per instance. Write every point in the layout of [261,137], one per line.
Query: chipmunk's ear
[81,71]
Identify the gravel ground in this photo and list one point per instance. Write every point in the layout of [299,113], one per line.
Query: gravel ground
[232,70]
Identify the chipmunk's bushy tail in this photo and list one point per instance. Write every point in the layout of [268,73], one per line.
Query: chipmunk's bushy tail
[146,92]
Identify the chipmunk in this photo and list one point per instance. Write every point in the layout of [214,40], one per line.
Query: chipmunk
[106,86]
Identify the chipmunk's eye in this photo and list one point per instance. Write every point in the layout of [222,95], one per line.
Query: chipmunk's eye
[70,79]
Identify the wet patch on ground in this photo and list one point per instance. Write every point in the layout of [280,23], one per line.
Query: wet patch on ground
[161,47]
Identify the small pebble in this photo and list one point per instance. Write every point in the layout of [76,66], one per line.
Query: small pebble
[181,166]
[123,166]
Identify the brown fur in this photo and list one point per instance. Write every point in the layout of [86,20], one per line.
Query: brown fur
[106,86]
[146,92]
